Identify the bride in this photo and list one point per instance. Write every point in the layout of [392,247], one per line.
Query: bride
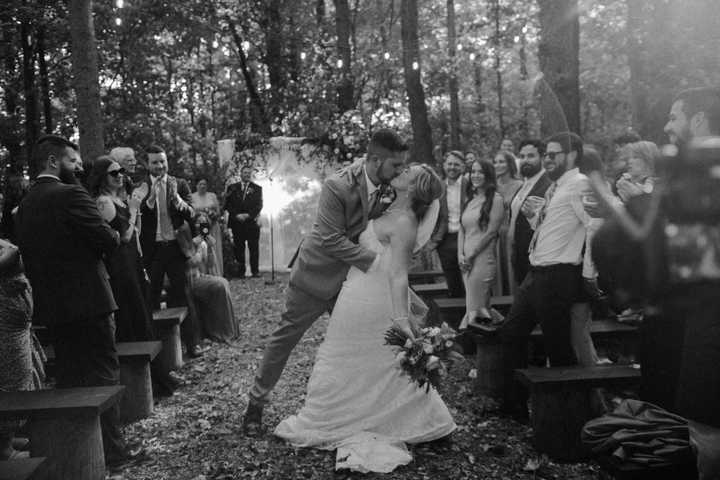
[358,401]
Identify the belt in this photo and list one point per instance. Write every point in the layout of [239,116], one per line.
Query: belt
[553,268]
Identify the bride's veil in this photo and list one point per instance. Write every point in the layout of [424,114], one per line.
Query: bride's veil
[417,310]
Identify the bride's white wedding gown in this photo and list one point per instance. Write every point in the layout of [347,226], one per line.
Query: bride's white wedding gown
[358,401]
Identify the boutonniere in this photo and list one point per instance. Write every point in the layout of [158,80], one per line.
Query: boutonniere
[387,195]
[250,191]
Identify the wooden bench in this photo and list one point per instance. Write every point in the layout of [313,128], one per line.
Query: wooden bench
[430,290]
[135,358]
[64,426]
[23,469]
[451,310]
[560,403]
[600,328]
[167,325]
[424,276]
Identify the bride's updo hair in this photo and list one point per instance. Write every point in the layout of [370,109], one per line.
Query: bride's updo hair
[425,186]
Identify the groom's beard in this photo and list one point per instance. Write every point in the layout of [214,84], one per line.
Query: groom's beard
[68,176]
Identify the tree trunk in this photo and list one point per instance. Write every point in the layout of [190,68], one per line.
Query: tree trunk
[10,134]
[85,80]
[259,120]
[452,80]
[44,80]
[524,122]
[320,12]
[343,26]
[422,135]
[636,61]
[272,26]
[558,53]
[32,115]
[478,81]
[498,73]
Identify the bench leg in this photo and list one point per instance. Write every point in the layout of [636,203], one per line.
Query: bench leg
[489,365]
[137,400]
[72,444]
[558,417]
[170,357]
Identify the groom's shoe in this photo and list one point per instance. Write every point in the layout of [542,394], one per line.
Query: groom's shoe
[252,420]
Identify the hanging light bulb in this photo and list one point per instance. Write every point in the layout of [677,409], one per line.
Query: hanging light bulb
[415,65]
[303,55]
[387,55]
[118,21]
[339,63]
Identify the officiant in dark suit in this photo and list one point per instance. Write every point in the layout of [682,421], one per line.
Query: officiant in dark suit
[62,239]
[166,239]
[243,203]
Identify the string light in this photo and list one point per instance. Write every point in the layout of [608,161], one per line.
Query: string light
[387,55]
[459,47]
[472,57]
[215,44]
[245,45]
[415,65]
[118,21]
[339,63]
[120,3]
[303,55]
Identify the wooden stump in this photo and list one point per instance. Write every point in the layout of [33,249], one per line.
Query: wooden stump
[135,358]
[167,324]
[489,362]
[558,417]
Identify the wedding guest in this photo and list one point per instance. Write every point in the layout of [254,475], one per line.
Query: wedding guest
[62,239]
[210,294]
[206,202]
[165,238]
[15,189]
[16,364]
[445,236]
[477,237]
[243,203]
[469,158]
[133,319]
[508,185]
[507,145]
[638,178]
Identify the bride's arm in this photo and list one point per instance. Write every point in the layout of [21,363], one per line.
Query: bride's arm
[402,240]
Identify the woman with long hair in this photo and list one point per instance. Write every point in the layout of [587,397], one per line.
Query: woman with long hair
[508,185]
[206,202]
[479,226]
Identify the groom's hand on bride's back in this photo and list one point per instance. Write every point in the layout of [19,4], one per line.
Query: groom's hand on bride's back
[375,265]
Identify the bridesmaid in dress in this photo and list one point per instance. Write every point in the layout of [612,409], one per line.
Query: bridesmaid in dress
[507,186]
[479,226]
[133,319]
[207,202]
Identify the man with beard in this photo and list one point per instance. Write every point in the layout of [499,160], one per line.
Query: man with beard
[62,239]
[553,283]
[535,184]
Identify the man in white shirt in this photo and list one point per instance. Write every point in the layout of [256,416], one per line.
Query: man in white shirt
[444,238]
[553,284]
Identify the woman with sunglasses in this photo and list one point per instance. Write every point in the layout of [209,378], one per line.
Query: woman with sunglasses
[133,319]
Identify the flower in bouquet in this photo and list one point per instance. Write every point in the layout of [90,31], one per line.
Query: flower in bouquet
[427,356]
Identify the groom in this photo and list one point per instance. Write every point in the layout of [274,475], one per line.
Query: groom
[348,199]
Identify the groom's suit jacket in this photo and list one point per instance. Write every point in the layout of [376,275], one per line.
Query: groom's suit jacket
[326,254]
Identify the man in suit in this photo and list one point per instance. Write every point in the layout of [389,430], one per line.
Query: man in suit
[348,199]
[444,237]
[536,183]
[165,238]
[243,203]
[63,239]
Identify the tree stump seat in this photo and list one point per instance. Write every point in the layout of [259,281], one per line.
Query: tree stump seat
[23,469]
[135,358]
[64,426]
[167,325]
[560,403]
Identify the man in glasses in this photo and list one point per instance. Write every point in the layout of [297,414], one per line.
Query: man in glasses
[553,283]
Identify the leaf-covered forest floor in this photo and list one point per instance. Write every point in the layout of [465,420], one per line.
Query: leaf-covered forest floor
[196,434]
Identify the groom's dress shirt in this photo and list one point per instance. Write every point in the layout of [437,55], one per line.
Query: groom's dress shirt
[371,187]
[454,199]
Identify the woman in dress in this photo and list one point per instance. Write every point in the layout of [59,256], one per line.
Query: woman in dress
[210,296]
[16,344]
[507,186]
[477,238]
[133,319]
[358,401]
[207,203]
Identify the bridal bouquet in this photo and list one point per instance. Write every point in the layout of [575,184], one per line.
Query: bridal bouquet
[427,357]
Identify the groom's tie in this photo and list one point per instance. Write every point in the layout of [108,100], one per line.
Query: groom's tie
[376,205]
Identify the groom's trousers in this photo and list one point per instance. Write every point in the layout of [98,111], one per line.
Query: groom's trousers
[301,311]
